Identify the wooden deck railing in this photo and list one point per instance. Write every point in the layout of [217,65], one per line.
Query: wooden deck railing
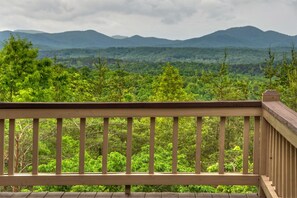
[274,144]
[279,154]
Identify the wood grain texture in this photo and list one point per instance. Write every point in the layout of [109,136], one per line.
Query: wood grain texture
[174,145]
[105,145]
[2,124]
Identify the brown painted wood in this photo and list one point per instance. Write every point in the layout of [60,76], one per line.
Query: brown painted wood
[11,147]
[198,145]
[2,124]
[71,194]
[157,112]
[87,194]
[152,144]
[221,195]
[203,195]
[105,145]
[267,187]
[130,179]
[256,150]
[82,143]
[35,146]
[294,171]
[123,105]
[237,195]
[278,162]
[121,194]
[59,146]
[288,170]
[282,119]
[104,195]
[129,146]
[21,194]
[186,195]
[222,145]
[37,194]
[246,141]
[6,194]
[153,195]
[169,195]
[54,194]
[269,158]
[174,145]
[273,157]
[263,146]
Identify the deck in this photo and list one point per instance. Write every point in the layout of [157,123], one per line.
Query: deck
[121,194]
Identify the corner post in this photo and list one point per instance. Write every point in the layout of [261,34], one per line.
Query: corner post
[270,95]
[267,96]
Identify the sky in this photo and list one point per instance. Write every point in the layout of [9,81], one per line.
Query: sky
[172,19]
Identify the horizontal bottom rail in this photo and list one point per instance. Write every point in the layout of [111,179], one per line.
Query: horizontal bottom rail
[267,187]
[23,179]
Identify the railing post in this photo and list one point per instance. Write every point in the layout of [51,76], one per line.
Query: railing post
[270,95]
[267,96]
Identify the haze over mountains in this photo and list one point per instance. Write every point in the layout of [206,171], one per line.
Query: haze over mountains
[238,37]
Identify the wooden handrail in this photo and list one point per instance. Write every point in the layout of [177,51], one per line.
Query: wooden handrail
[132,105]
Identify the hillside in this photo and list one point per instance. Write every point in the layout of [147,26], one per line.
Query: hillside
[238,37]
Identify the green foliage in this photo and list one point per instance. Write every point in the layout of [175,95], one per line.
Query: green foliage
[270,71]
[24,77]
[17,66]
[169,86]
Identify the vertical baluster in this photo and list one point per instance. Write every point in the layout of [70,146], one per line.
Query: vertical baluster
[35,146]
[277,175]
[222,145]
[263,146]
[11,147]
[270,154]
[82,145]
[267,149]
[198,144]
[256,145]
[59,146]
[152,144]
[2,124]
[272,161]
[129,146]
[283,165]
[275,156]
[246,145]
[291,166]
[174,145]
[294,172]
[105,145]
[288,169]
[129,153]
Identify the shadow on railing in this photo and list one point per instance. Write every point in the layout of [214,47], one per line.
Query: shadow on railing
[274,144]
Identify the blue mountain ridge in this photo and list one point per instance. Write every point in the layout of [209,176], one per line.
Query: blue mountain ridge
[237,37]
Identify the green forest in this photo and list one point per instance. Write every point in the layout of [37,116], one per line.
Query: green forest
[25,76]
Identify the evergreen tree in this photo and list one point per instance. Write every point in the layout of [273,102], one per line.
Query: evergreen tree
[17,63]
[169,86]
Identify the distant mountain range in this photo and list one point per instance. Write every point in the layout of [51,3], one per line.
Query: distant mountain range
[238,37]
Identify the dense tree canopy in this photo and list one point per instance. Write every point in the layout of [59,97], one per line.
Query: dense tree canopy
[25,77]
